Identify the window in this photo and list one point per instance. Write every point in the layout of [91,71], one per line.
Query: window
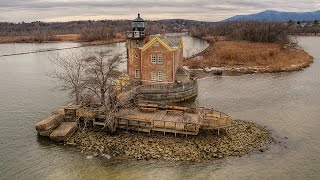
[137,73]
[160,60]
[153,59]
[153,76]
[160,76]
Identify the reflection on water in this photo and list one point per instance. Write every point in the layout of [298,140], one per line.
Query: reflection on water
[287,103]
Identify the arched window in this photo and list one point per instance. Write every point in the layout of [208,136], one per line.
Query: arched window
[160,76]
[137,73]
[160,60]
[153,59]
[153,76]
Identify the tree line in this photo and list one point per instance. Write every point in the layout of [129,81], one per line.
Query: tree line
[254,31]
[107,29]
[88,30]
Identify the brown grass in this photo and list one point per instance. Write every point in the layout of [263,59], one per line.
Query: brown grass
[30,39]
[14,39]
[268,56]
[68,37]
[60,38]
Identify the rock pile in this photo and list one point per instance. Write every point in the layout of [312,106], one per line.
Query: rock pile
[241,138]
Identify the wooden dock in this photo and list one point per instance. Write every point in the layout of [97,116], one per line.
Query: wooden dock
[172,119]
[160,120]
[146,117]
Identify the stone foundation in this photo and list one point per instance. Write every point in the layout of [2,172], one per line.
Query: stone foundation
[169,93]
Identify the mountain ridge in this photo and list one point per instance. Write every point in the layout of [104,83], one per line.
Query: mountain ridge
[277,16]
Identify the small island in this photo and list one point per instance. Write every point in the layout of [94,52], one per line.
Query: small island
[136,115]
[240,138]
[238,48]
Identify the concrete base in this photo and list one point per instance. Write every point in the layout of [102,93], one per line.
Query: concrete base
[64,131]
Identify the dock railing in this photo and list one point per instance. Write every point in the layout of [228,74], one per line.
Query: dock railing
[176,127]
[213,119]
[167,88]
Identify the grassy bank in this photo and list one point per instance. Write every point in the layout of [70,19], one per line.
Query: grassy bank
[241,138]
[232,56]
[57,38]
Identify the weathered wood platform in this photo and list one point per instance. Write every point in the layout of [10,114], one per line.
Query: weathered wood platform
[64,131]
[172,119]
[146,117]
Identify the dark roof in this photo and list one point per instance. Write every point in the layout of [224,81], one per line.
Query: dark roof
[139,19]
[171,41]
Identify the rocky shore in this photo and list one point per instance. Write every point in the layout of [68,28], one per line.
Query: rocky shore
[239,139]
[238,71]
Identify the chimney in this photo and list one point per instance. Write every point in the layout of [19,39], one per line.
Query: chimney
[162,31]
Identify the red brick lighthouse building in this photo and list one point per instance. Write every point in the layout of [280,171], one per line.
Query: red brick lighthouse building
[153,59]
[157,60]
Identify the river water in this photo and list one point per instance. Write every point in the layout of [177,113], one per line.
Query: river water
[287,103]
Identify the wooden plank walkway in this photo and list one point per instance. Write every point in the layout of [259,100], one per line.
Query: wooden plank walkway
[148,117]
[173,121]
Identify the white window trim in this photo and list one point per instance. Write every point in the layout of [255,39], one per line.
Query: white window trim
[153,58]
[160,74]
[137,73]
[160,55]
[153,76]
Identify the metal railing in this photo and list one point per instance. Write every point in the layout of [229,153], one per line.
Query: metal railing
[135,34]
[167,88]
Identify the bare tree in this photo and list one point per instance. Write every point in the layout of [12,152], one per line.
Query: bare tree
[71,72]
[101,74]
[101,77]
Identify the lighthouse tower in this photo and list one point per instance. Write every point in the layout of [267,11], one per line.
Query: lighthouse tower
[135,40]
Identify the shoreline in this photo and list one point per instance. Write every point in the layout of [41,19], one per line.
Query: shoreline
[83,44]
[241,138]
[72,38]
[237,70]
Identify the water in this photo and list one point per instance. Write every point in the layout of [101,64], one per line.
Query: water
[287,103]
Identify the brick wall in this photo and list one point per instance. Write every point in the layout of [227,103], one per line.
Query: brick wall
[134,56]
[137,58]
[166,67]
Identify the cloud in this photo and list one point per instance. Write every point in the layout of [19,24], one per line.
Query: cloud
[210,10]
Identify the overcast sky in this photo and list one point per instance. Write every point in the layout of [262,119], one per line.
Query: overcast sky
[209,10]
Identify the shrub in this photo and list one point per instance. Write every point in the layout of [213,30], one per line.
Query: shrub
[249,31]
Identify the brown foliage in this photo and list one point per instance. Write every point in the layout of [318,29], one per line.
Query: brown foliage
[98,33]
[67,37]
[247,30]
[248,54]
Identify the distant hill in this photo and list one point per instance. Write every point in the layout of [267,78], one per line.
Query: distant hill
[277,16]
